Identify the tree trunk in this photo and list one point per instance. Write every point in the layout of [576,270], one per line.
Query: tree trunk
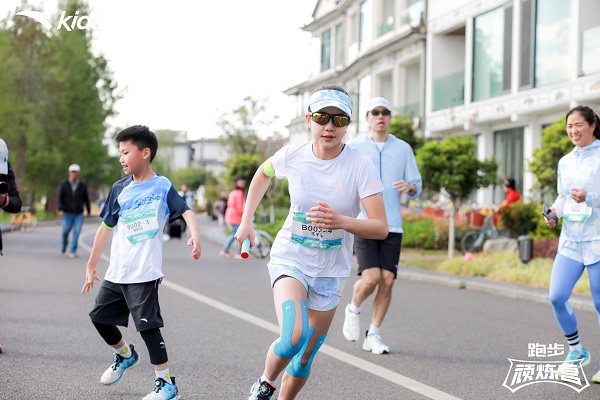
[451,233]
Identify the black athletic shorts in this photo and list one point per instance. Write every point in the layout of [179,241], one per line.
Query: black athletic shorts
[372,253]
[116,300]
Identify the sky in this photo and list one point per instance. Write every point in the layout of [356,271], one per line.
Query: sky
[181,64]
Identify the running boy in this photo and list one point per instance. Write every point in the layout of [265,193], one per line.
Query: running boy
[136,209]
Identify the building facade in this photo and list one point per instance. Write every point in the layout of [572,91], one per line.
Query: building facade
[502,70]
[499,70]
[371,48]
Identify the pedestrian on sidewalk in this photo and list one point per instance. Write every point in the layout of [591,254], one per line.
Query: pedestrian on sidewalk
[311,257]
[378,259]
[72,197]
[578,204]
[10,199]
[136,210]
[233,215]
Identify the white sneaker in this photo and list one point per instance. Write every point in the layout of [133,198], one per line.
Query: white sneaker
[351,328]
[374,344]
[596,377]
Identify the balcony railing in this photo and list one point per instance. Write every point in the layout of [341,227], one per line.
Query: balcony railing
[412,14]
[449,91]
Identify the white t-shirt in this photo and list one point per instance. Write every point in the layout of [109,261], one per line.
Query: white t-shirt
[341,183]
[138,212]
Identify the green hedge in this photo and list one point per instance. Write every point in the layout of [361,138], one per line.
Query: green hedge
[423,232]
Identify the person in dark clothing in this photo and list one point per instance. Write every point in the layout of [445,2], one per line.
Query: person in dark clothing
[72,197]
[10,200]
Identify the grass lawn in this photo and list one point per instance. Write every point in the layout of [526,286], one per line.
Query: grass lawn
[505,267]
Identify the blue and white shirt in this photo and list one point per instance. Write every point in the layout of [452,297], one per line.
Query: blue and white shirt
[137,213]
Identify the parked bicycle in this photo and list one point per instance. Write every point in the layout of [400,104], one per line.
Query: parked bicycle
[262,244]
[472,241]
[25,220]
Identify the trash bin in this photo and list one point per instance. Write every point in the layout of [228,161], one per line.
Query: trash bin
[525,248]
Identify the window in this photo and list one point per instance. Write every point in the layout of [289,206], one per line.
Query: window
[412,90]
[386,20]
[589,32]
[326,50]
[492,53]
[365,33]
[339,45]
[412,13]
[384,86]
[364,95]
[552,41]
[527,43]
[508,150]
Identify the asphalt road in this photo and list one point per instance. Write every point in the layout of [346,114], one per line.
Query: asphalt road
[445,343]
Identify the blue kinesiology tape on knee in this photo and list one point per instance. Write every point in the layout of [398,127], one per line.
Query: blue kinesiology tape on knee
[284,348]
[295,367]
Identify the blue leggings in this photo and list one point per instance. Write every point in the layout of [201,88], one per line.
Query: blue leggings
[565,274]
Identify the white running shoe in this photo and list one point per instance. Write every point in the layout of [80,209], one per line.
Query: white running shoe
[114,373]
[374,344]
[351,328]
[596,377]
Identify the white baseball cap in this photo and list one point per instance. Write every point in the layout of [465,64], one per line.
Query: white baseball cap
[3,157]
[74,168]
[378,102]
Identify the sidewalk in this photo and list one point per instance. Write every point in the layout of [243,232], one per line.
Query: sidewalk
[211,231]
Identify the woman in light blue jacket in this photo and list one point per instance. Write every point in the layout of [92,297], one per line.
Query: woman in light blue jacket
[578,203]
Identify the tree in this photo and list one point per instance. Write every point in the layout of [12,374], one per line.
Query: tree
[244,165]
[401,126]
[452,166]
[242,127]
[60,95]
[555,144]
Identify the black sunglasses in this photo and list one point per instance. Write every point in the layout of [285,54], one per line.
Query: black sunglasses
[338,120]
[377,112]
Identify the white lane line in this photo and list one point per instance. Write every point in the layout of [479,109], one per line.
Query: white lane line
[357,362]
[354,361]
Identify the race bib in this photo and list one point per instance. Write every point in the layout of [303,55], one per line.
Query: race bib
[140,226]
[576,212]
[306,234]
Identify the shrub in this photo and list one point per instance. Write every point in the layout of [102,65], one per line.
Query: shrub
[521,218]
[423,232]
[545,248]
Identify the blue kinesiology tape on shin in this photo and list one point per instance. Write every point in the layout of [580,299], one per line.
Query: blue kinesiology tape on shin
[284,348]
[295,367]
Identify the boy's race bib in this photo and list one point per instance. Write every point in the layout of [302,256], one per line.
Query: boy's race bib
[576,212]
[140,226]
[306,234]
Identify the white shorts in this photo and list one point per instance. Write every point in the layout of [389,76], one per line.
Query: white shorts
[587,252]
[323,294]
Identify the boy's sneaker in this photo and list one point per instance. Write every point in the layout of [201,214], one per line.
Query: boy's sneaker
[238,256]
[261,391]
[164,390]
[596,377]
[577,359]
[114,373]
[225,253]
[351,328]
[374,344]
